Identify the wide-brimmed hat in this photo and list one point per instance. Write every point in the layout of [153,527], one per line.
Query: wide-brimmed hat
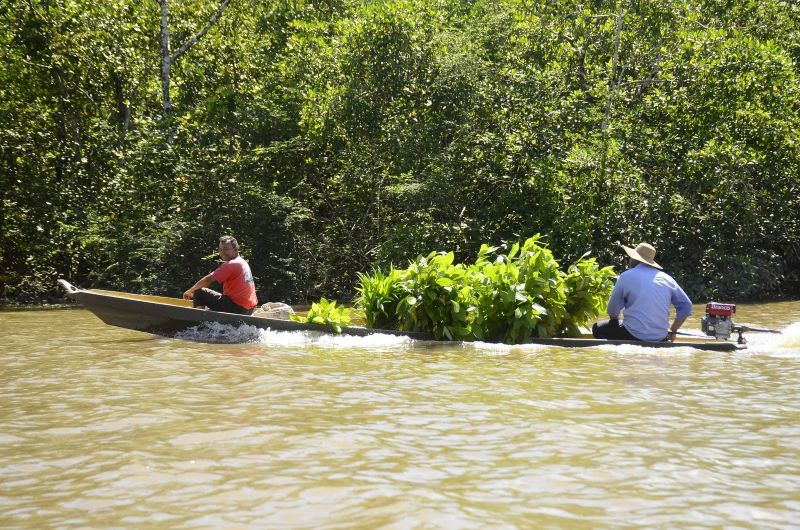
[644,252]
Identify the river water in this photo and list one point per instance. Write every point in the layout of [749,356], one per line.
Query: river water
[102,427]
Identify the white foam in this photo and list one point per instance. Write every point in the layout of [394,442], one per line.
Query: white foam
[215,332]
[786,344]
[329,340]
[499,348]
[220,333]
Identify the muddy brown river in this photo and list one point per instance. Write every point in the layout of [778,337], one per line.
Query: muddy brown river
[103,427]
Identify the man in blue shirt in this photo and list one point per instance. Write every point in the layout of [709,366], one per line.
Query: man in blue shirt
[644,294]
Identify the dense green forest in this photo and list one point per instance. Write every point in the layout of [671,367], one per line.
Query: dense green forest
[335,136]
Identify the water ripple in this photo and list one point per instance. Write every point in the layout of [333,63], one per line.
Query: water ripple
[108,428]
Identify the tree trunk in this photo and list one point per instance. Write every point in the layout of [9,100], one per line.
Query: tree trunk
[166,58]
[613,81]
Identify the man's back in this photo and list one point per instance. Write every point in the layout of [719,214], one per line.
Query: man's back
[646,293]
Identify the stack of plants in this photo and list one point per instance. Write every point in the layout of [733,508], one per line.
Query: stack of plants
[325,312]
[503,297]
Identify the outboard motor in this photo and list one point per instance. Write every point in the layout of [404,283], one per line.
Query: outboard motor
[718,322]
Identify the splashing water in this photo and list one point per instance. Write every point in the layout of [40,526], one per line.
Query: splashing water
[215,332]
[785,344]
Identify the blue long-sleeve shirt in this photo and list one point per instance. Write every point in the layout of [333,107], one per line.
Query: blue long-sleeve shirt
[645,293]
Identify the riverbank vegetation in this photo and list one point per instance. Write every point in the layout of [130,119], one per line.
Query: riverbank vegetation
[337,137]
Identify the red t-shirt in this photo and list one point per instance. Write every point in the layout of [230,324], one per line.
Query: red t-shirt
[237,282]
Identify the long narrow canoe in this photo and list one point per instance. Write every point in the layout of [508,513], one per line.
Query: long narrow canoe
[169,316]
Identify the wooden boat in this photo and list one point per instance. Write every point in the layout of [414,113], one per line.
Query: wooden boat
[169,316]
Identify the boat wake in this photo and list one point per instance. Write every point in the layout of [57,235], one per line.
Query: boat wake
[786,344]
[214,332]
[217,333]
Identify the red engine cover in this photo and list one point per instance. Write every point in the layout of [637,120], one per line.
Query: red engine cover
[722,310]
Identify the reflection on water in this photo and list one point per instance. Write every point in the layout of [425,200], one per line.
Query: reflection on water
[104,427]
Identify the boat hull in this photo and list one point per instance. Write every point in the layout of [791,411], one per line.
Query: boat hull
[170,316]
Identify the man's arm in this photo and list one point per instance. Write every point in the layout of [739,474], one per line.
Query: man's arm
[616,303]
[683,308]
[673,329]
[205,281]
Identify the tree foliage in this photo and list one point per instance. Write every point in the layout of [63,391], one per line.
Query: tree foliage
[334,136]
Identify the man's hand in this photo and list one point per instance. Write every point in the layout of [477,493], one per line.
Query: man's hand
[205,281]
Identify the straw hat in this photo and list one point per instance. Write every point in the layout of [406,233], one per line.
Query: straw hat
[644,252]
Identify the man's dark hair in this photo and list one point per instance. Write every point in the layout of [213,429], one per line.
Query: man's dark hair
[230,240]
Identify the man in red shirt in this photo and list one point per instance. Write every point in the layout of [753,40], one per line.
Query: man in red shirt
[238,290]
